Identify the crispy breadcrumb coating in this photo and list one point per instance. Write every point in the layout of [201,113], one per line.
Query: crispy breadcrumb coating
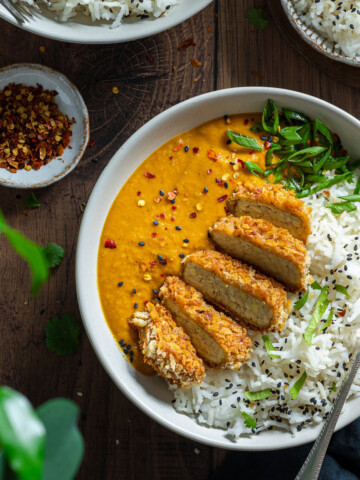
[262,301]
[167,348]
[271,249]
[273,203]
[218,339]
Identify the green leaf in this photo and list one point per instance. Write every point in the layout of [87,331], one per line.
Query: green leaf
[301,302]
[307,152]
[341,207]
[290,134]
[249,421]
[30,252]
[342,289]
[305,133]
[293,115]
[260,395]
[253,168]
[258,17]
[54,254]
[22,435]
[62,335]
[64,448]
[315,178]
[328,321]
[32,201]
[243,140]
[319,165]
[357,186]
[351,198]
[322,304]
[270,117]
[257,128]
[320,127]
[329,183]
[295,389]
[334,389]
[335,163]
[270,153]
[316,285]
[269,347]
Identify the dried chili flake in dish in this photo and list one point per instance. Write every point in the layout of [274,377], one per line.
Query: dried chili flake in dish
[33,131]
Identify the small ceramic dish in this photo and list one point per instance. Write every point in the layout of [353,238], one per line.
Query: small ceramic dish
[71,103]
[314,39]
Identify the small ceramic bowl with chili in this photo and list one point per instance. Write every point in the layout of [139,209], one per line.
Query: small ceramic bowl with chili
[44,126]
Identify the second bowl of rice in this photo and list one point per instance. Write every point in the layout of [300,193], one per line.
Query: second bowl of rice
[332,27]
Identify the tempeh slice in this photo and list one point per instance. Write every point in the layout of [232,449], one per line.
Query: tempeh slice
[167,348]
[274,204]
[220,341]
[239,289]
[272,250]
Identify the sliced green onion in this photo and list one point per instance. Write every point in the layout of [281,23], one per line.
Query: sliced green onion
[270,118]
[322,304]
[301,302]
[269,347]
[328,321]
[249,421]
[243,140]
[320,127]
[293,115]
[342,289]
[254,168]
[295,389]
[260,395]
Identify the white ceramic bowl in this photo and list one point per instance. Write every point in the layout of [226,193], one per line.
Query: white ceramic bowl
[151,394]
[71,103]
[80,29]
[314,39]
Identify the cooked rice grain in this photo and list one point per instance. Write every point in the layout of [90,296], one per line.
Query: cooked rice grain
[334,248]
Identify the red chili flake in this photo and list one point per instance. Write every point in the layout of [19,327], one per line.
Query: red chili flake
[162,215]
[189,42]
[174,207]
[251,152]
[178,147]
[171,157]
[214,156]
[309,142]
[153,234]
[246,121]
[110,244]
[267,145]
[193,215]
[162,275]
[173,219]
[342,313]
[209,171]
[221,199]
[195,63]
[146,302]
[196,149]
[150,58]
[327,193]
[138,193]
[149,175]
[257,74]
[91,143]
[242,163]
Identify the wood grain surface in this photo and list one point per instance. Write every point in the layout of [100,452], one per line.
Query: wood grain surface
[121,442]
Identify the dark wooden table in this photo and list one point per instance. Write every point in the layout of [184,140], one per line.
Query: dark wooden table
[121,442]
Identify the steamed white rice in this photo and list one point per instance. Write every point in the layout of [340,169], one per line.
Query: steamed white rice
[219,401]
[336,20]
[110,10]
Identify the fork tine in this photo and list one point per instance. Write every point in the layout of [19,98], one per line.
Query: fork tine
[20,7]
[11,9]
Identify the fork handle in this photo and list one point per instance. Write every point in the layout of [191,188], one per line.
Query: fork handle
[312,465]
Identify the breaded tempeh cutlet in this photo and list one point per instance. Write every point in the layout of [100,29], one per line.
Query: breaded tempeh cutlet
[270,249]
[220,341]
[167,348]
[274,204]
[239,289]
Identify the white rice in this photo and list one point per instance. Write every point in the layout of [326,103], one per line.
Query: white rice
[109,10]
[336,20]
[219,401]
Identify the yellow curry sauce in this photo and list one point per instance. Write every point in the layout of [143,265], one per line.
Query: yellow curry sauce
[163,212]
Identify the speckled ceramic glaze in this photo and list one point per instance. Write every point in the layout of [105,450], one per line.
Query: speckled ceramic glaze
[71,103]
[319,43]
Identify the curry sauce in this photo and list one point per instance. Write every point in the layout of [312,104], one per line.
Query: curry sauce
[163,213]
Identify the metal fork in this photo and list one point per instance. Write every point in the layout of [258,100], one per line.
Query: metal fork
[20,11]
[312,466]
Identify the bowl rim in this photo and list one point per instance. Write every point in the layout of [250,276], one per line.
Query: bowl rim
[299,27]
[82,257]
[64,36]
[48,71]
